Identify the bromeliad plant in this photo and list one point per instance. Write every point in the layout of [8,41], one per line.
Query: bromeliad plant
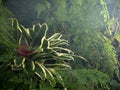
[40,55]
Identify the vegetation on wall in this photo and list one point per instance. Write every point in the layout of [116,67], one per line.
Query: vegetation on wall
[97,49]
[89,26]
[5,35]
[95,79]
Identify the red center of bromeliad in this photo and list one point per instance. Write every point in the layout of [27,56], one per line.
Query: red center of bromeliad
[24,50]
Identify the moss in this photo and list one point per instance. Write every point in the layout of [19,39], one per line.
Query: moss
[86,79]
[6,45]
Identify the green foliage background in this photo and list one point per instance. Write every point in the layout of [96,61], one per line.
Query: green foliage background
[86,79]
[85,24]
[6,45]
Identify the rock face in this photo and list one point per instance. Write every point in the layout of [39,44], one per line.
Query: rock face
[23,10]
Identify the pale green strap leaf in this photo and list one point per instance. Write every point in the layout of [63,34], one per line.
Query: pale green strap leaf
[42,67]
[55,36]
[60,49]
